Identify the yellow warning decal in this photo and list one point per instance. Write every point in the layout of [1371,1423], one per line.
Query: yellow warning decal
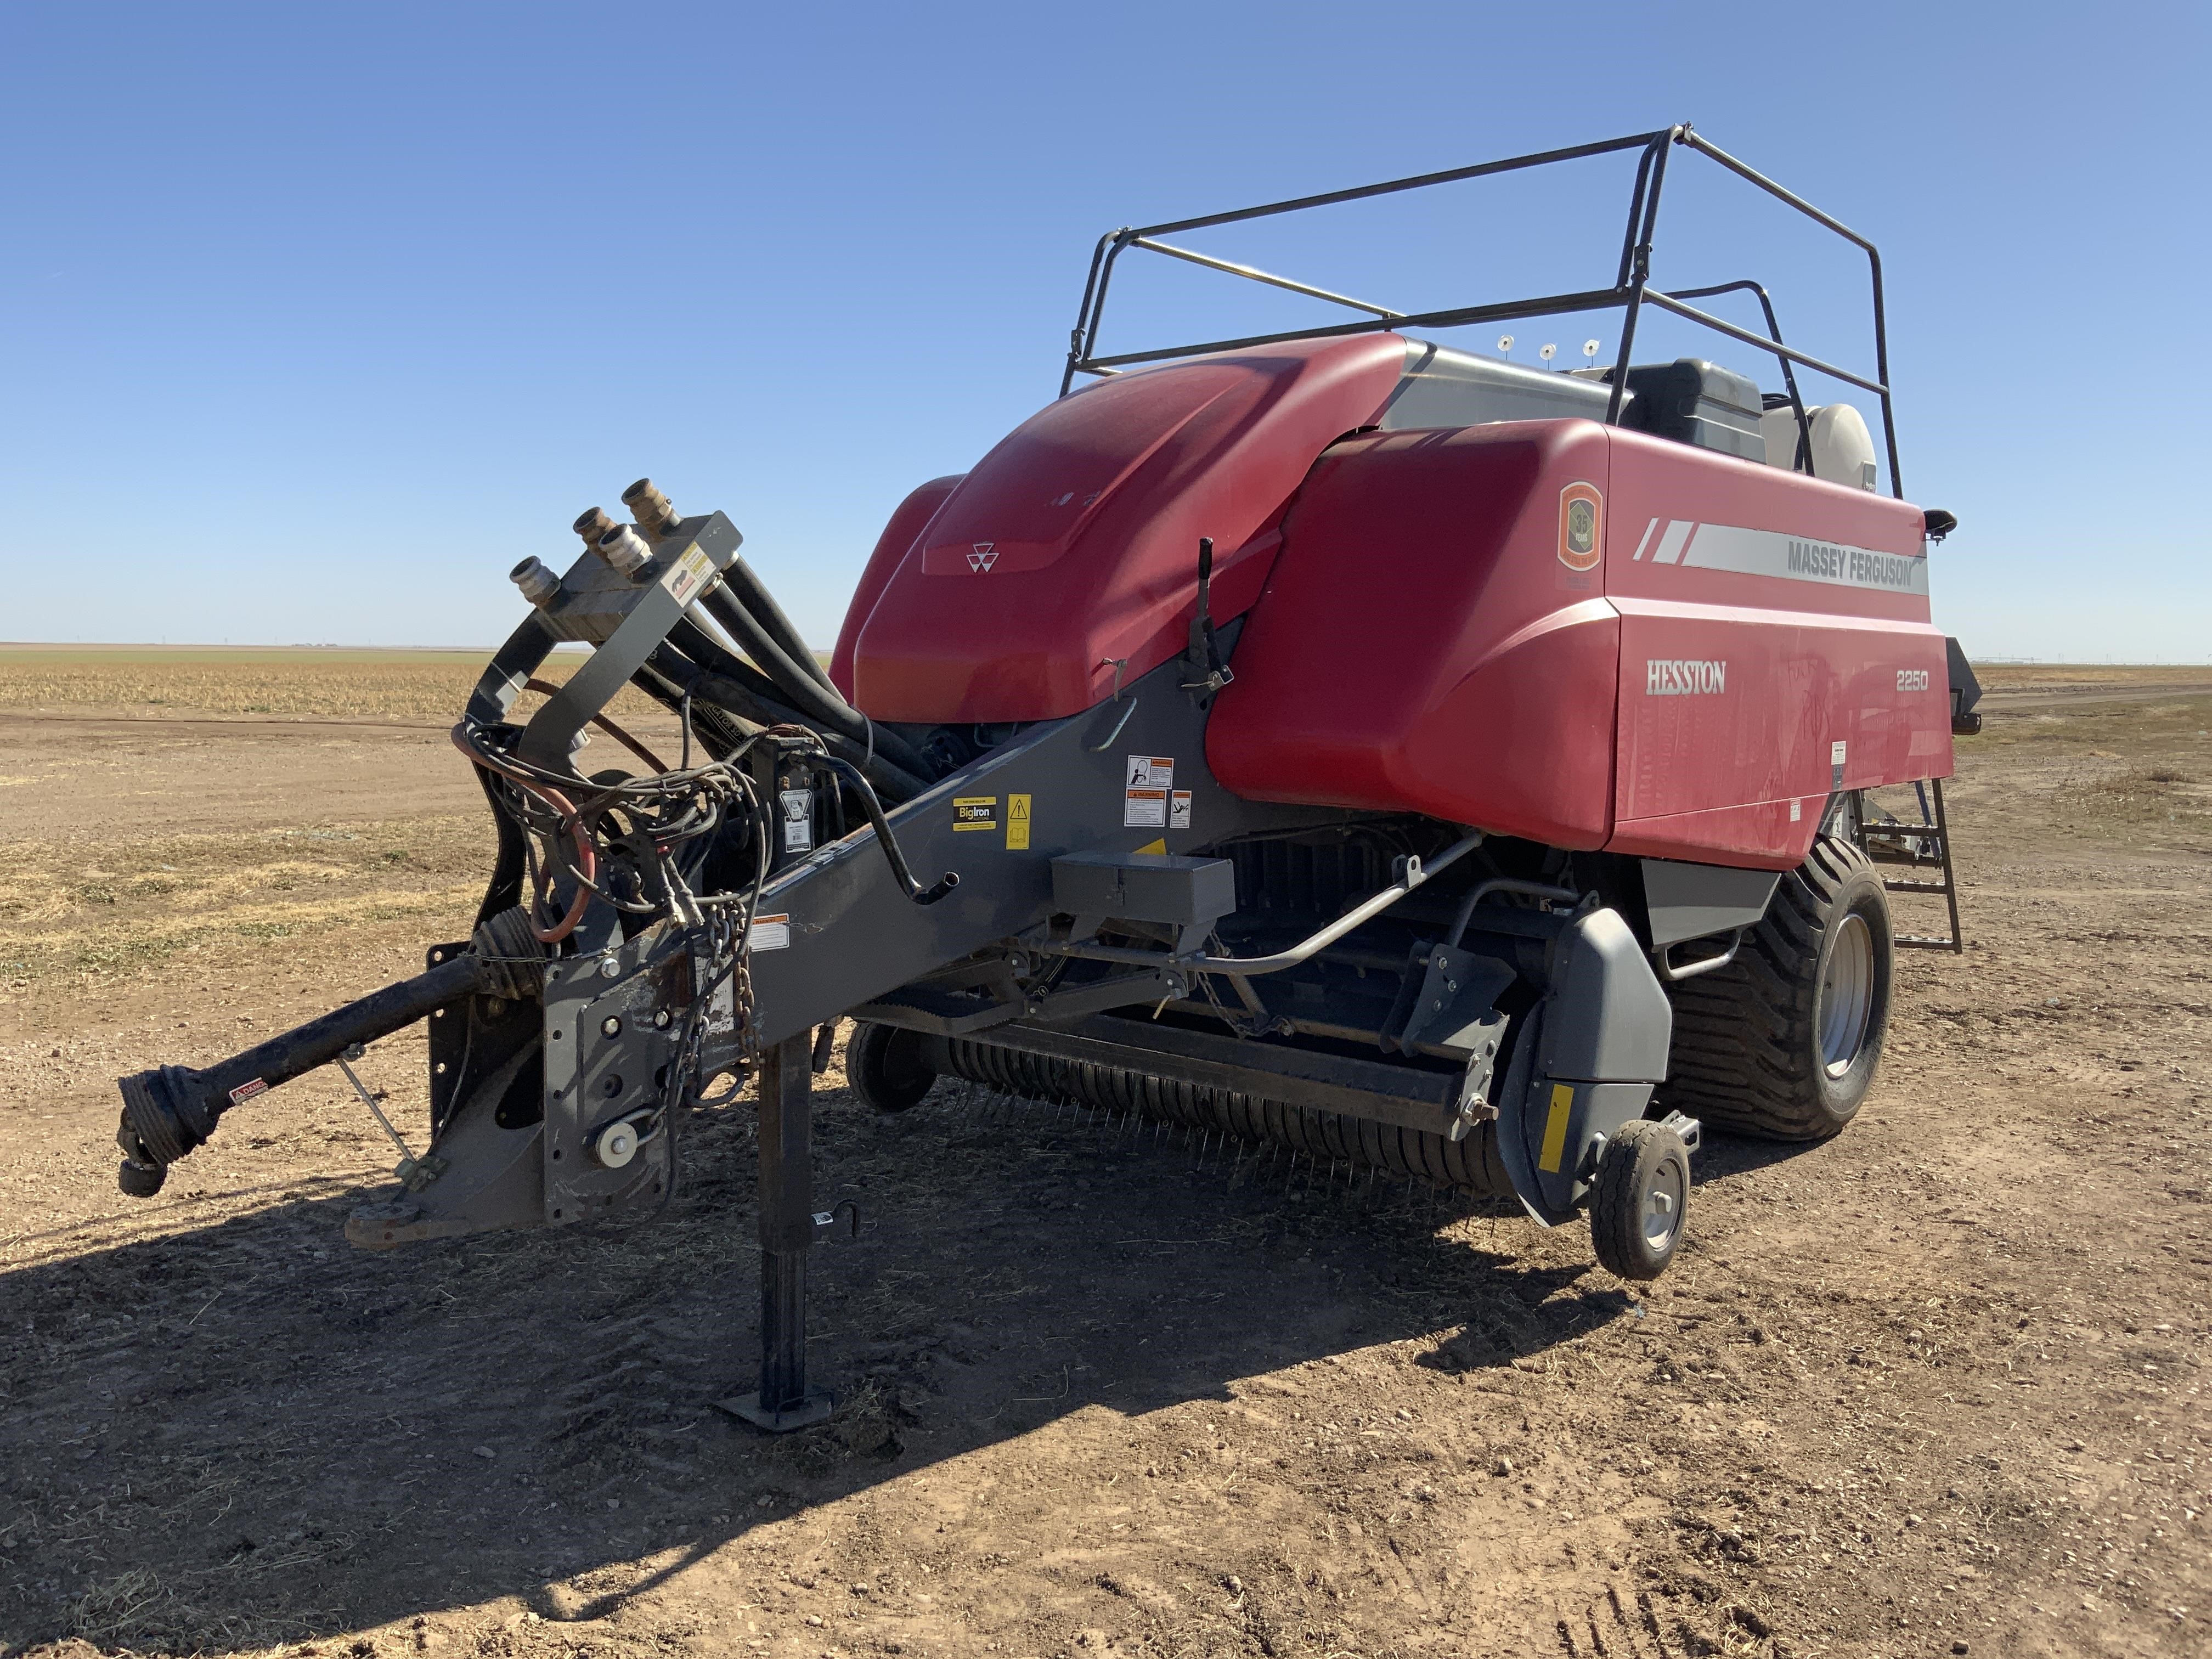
[1555,1129]
[1018,824]
[690,573]
[976,813]
[1159,846]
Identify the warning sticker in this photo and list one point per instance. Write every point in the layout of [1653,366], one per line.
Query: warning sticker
[797,819]
[1145,809]
[771,932]
[1152,772]
[975,811]
[1836,764]
[693,570]
[245,1092]
[1179,810]
[1018,824]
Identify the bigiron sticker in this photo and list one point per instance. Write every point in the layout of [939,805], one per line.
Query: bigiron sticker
[1671,677]
[1581,524]
[975,811]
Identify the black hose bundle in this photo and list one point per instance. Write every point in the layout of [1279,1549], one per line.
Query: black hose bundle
[693,662]
[807,690]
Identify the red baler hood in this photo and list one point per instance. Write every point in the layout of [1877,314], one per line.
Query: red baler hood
[1075,541]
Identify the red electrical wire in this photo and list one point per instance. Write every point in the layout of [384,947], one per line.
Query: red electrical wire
[587,862]
[607,726]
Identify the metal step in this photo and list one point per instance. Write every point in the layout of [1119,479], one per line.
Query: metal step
[1936,827]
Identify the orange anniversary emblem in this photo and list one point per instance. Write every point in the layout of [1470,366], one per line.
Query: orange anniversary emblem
[1581,524]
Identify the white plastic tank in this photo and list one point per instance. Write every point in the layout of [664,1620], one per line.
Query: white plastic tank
[1780,427]
[1842,447]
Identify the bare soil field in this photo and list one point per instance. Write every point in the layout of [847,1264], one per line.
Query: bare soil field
[1936,1387]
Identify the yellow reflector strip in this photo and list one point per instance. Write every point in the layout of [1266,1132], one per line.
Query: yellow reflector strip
[1555,1129]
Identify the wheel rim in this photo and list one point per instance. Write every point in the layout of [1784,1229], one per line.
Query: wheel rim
[1661,1212]
[1846,995]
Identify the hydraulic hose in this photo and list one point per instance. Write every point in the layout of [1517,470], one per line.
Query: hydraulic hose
[793,682]
[739,698]
[877,822]
[722,731]
[586,865]
[820,705]
[745,585]
[703,648]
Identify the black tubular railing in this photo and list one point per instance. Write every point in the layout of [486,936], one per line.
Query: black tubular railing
[1631,291]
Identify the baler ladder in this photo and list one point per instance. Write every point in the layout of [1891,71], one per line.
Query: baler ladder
[1937,828]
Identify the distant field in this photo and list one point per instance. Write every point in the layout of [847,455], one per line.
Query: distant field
[2088,677]
[408,684]
[147,679]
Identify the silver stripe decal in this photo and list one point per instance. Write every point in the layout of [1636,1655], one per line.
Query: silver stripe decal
[1803,559]
[1671,543]
[1646,542]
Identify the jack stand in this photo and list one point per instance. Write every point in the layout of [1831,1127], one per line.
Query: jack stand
[787,1227]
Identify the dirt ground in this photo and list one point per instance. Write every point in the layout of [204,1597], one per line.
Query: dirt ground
[1936,1387]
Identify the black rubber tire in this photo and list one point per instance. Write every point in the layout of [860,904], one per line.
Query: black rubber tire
[1746,1053]
[1644,1160]
[885,1068]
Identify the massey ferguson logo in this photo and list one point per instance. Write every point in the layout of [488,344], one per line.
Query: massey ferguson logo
[984,555]
[1677,679]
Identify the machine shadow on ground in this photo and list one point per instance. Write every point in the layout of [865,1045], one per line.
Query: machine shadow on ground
[247,1431]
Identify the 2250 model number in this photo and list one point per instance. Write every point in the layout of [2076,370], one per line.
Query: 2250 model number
[1912,679]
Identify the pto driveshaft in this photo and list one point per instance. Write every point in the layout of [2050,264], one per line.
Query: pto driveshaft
[169,1110]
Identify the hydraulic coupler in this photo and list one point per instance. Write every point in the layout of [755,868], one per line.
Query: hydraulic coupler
[169,1111]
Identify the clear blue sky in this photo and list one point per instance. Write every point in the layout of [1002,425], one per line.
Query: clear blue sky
[315,319]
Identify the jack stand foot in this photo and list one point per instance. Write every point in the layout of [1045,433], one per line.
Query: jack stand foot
[815,1408]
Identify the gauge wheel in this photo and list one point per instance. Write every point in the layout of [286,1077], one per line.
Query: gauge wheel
[1641,1200]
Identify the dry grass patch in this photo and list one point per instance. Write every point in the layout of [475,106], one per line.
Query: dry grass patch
[114,910]
[396,685]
